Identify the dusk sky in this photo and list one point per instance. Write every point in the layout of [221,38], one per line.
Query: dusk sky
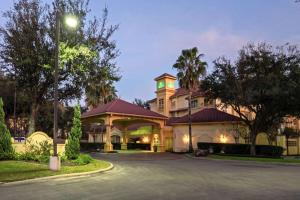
[153,33]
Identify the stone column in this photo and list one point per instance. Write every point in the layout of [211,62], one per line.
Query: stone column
[161,138]
[108,146]
[124,143]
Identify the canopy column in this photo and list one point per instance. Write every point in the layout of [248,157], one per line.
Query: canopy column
[108,145]
[124,139]
[161,138]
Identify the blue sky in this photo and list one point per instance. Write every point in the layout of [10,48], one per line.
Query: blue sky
[153,32]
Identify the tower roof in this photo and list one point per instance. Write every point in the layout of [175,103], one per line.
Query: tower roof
[165,75]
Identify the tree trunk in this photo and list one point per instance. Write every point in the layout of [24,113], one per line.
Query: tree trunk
[190,124]
[32,118]
[253,141]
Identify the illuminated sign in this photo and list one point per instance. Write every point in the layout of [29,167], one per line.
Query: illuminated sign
[160,84]
[170,84]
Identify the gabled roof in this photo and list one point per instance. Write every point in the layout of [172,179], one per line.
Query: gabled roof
[119,106]
[165,75]
[206,115]
[182,91]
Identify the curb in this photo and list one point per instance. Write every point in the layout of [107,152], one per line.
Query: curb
[245,161]
[111,166]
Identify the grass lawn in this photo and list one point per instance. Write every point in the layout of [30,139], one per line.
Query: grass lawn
[133,151]
[19,170]
[269,160]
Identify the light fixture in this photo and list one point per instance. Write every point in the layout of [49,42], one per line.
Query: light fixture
[223,138]
[71,21]
[146,139]
[185,139]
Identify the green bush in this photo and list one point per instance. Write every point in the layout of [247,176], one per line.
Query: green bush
[6,149]
[73,145]
[39,152]
[242,149]
[83,159]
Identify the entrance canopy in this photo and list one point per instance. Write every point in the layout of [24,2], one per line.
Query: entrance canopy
[122,114]
[121,107]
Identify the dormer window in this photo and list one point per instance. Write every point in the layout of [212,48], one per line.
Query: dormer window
[208,102]
[194,103]
[173,104]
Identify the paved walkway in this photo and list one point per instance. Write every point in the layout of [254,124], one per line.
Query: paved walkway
[168,176]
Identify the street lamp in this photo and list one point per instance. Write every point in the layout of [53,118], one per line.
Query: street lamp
[72,22]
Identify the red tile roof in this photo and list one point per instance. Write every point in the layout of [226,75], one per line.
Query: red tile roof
[171,120]
[182,91]
[122,107]
[152,100]
[165,75]
[206,115]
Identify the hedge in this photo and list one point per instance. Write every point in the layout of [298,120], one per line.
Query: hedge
[85,146]
[241,149]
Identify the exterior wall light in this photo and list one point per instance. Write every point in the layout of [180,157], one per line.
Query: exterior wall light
[145,139]
[185,139]
[223,138]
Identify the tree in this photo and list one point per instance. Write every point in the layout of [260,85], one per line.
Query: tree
[272,134]
[141,103]
[21,108]
[6,149]
[27,51]
[190,68]
[264,81]
[73,144]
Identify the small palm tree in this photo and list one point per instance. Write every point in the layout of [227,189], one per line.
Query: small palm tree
[190,67]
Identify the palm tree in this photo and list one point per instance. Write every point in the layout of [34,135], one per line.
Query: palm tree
[190,67]
[99,87]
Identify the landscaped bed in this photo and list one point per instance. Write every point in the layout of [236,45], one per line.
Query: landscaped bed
[21,170]
[257,159]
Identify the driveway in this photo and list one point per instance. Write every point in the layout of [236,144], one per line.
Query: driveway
[168,176]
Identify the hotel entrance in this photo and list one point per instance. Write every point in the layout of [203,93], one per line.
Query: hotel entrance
[126,126]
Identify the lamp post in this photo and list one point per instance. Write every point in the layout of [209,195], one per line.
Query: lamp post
[71,21]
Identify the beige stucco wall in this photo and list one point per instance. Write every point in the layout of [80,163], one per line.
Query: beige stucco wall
[36,138]
[201,133]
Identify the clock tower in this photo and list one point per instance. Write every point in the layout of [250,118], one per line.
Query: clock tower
[165,87]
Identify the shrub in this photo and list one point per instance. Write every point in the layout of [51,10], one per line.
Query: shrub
[39,152]
[73,145]
[83,159]
[6,149]
[242,149]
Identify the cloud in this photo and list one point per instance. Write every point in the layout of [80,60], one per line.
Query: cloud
[212,42]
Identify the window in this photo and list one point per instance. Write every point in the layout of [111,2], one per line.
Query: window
[115,139]
[208,102]
[292,143]
[194,103]
[161,104]
[173,104]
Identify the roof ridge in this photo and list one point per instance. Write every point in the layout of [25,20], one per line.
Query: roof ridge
[112,103]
